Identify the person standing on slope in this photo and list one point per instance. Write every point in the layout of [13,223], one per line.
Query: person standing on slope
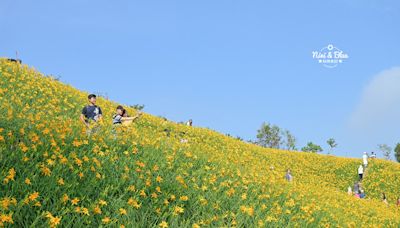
[365,159]
[288,175]
[91,113]
[384,199]
[360,172]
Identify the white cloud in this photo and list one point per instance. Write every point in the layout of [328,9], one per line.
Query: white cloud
[377,116]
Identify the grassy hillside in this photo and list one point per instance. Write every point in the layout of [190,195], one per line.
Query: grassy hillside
[53,174]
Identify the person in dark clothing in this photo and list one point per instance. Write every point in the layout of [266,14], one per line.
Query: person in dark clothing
[91,112]
[384,199]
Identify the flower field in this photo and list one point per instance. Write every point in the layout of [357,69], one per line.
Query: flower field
[145,175]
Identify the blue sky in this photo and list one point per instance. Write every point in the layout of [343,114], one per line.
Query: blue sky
[228,65]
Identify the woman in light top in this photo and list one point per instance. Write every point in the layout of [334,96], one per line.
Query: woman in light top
[360,172]
[122,117]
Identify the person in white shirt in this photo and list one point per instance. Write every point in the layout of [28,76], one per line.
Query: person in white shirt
[373,155]
[360,172]
[365,159]
[349,191]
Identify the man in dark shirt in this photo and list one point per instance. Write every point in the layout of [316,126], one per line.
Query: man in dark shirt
[91,112]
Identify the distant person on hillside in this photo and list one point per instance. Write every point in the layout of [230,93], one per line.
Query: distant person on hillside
[384,199]
[91,113]
[189,123]
[122,117]
[288,175]
[356,187]
[167,131]
[182,137]
[357,194]
[349,191]
[117,118]
[365,159]
[360,172]
[373,155]
[362,194]
[398,201]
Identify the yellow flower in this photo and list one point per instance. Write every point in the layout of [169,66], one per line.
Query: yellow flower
[85,211]
[122,211]
[76,143]
[6,218]
[203,201]
[61,181]
[6,202]
[230,192]
[247,210]
[184,198]
[131,188]
[53,221]
[24,148]
[46,131]
[75,201]
[65,198]
[78,162]
[45,171]
[97,210]
[163,224]
[102,203]
[134,203]
[159,179]
[178,210]
[106,220]
[11,174]
[33,196]
[85,158]
[142,193]
[28,181]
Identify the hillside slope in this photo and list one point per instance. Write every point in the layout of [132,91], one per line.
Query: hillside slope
[143,175]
